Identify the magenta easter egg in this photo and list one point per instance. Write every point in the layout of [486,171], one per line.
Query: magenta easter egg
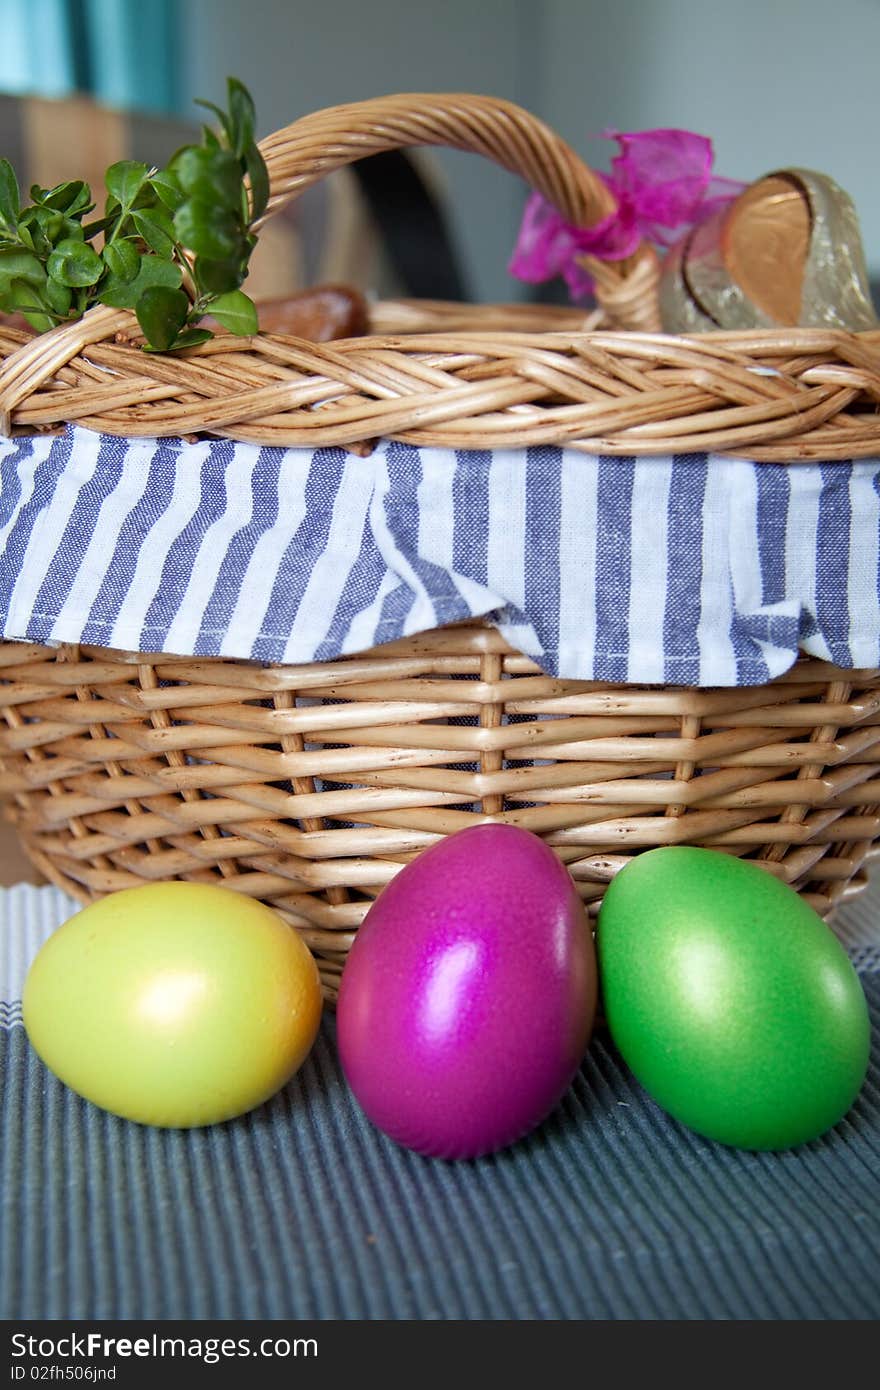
[468,997]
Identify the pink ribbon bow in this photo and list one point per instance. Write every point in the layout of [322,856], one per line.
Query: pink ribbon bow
[662,181]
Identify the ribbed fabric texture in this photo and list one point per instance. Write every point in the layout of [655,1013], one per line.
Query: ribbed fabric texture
[684,570]
[303,1210]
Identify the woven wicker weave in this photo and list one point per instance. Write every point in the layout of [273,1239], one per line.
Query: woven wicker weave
[309,786]
[492,384]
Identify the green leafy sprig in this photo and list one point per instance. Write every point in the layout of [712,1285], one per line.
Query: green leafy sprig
[176,241]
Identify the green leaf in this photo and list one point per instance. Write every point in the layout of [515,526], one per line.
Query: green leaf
[152,271]
[147,200]
[82,203]
[154,234]
[125,179]
[191,337]
[158,212]
[207,229]
[21,265]
[167,187]
[162,313]
[199,207]
[39,322]
[242,117]
[70,198]
[214,175]
[72,228]
[43,228]
[51,221]
[216,277]
[59,297]
[122,259]
[220,114]
[74,263]
[236,312]
[26,299]
[10,200]
[259,177]
[91,229]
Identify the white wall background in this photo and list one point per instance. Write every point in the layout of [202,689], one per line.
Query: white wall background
[775,82]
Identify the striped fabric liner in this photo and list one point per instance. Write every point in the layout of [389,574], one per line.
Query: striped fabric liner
[681,570]
[303,1210]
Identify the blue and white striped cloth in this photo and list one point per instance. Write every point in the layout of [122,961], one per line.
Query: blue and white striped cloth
[682,570]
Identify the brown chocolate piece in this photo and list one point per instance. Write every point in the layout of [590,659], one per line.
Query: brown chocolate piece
[330,311]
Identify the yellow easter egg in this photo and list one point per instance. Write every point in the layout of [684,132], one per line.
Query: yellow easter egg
[174,1004]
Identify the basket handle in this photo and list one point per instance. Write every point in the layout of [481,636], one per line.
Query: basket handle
[510,136]
[305,151]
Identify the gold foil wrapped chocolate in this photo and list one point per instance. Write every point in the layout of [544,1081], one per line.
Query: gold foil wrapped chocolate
[787,251]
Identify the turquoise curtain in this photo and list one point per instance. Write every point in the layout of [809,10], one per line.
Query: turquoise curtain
[122,52]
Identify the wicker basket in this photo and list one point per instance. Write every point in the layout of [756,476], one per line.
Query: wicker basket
[309,786]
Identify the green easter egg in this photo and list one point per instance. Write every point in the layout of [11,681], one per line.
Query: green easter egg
[729,998]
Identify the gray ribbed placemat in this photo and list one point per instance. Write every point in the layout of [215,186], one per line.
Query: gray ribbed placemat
[302,1210]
